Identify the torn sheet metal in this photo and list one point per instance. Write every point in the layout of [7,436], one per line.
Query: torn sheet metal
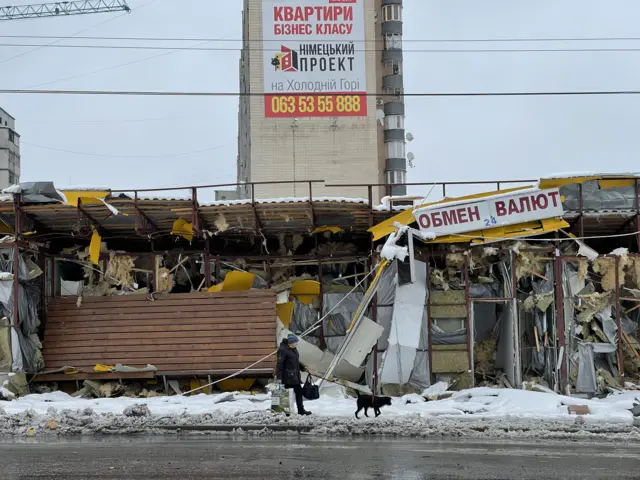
[406,327]
[318,361]
[37,192]
[342,308]
[363,340]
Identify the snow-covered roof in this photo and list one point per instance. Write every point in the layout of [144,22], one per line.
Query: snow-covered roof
[221,203]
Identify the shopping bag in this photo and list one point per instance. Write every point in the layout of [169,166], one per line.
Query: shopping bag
[309,390]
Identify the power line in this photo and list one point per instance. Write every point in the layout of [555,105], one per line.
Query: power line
[106,69]
[251,49]
[90,154]
[149,93]
[405,40]
[105,122]
[75,35]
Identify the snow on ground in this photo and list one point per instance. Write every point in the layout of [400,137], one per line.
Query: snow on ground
[468,412]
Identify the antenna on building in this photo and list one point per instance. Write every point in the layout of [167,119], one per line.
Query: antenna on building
[410,158]
[380,116]
[409,137]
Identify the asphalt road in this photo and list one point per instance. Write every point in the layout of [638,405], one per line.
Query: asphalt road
[205,457]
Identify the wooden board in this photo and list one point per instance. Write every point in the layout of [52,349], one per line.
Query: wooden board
[63,377]
[178,333]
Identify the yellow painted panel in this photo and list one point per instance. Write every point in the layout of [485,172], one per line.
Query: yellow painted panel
[4,228]
[406,218]
[285,313]
[554,224]
[103,368]
[617,183]
[197,383]
[510,231]
[89,197]
[560,182]
[236,384]
[386,227]
[234,282]
[183,229]
[94,248]
[305,287]
[306,299]
[327,229]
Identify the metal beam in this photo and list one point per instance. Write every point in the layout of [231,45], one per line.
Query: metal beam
[199,224]
[312,211]
[256,219]
[63,9]
[15,315]
[28,223]
[144,224]
[88,218]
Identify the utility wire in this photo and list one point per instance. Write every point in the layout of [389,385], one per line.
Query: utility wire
[122,156]
[276,49]
[150,93]
[39,47]
[260,41]
[113,67]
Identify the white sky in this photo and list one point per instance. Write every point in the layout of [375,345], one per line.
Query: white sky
[455,138]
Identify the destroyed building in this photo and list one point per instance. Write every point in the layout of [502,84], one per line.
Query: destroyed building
[533,285]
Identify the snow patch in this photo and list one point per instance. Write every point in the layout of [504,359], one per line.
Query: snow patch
[390,251]
[620,252]
[12,189]
[285,200]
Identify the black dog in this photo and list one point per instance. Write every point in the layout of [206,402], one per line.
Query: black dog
[371,401]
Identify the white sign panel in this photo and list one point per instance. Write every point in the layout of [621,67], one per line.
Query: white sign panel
[490,213]
[314,47]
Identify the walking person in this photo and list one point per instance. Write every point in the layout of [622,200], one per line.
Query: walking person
[288,369]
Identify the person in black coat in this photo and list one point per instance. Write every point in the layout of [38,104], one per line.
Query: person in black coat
[288,369]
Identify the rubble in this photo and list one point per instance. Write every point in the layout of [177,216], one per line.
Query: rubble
[140,410]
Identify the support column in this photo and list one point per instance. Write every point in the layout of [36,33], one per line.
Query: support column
[17,210]
[467,298]
[560,327]
[323,344]
[429,332]
[619,320]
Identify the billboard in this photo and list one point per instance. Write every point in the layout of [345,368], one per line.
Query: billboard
[314,58]
[498,211]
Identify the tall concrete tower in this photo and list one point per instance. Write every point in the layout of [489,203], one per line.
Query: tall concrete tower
[322,96]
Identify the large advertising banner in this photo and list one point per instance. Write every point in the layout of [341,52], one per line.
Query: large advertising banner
[314,58]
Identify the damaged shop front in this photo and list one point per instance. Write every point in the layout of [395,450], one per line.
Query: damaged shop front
[525,288]
[172,293]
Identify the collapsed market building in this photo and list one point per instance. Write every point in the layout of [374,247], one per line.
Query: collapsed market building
[538,283]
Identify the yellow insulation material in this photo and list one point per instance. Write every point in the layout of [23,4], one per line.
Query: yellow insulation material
[607,268]
[164,282]
[119,269]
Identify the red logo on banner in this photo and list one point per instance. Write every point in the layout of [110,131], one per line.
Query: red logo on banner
[286,60]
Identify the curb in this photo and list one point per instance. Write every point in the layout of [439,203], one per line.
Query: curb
[231,428]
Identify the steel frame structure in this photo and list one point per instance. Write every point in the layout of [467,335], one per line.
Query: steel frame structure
[63,9]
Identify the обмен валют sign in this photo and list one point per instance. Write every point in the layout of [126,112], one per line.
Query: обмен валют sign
[314,58]
[492,212]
